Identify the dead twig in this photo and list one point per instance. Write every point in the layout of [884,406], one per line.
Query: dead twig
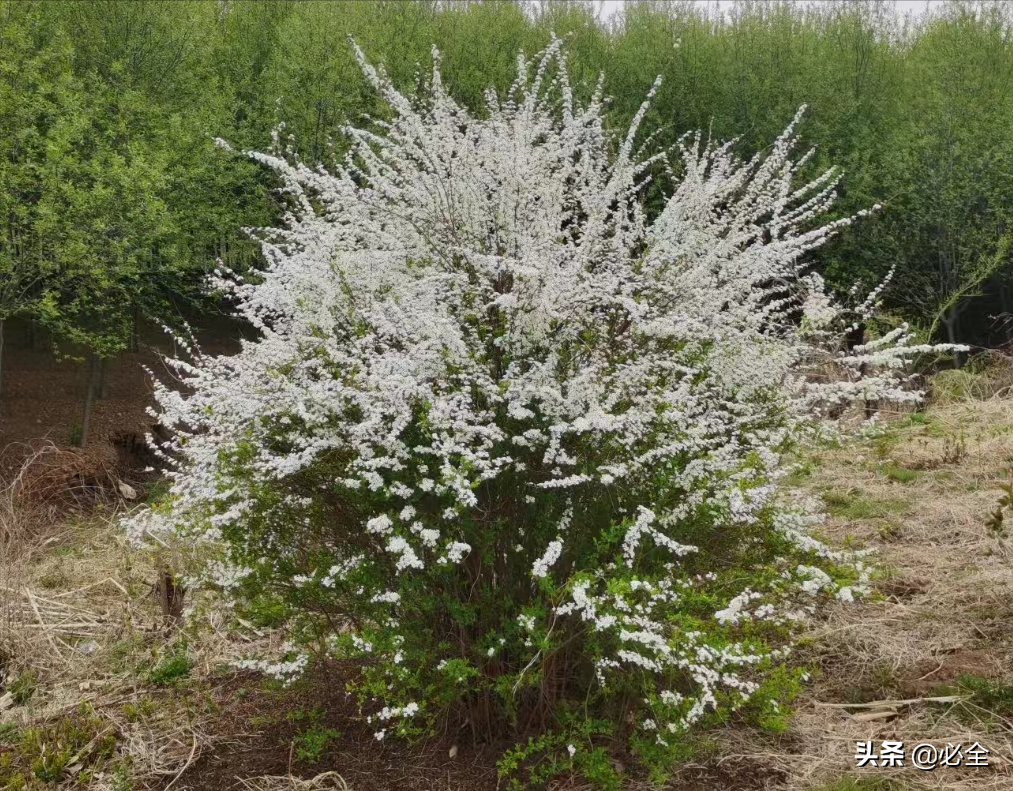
[884,704]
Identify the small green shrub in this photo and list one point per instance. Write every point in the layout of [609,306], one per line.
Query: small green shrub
[853,506]
[44,753]
[142,709]
[993,696]
[171,667]
[313,737]
[23,687]
[899,474]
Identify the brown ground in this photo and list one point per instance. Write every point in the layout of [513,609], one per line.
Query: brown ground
[941,623]
[364,763]
[257,735]
[42,399]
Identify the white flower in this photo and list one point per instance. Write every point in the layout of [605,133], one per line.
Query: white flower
[550,556]
[379,524]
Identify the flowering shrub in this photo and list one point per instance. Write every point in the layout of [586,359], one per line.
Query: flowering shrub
[516,446]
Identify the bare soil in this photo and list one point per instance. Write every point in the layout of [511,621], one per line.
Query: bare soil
[259,734]
[43,393]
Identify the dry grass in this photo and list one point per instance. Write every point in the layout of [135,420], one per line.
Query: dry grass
[27,525]
[988,375]
[328,781]
[939,626]
[81,631]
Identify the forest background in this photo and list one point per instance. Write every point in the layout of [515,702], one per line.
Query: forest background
[115,203]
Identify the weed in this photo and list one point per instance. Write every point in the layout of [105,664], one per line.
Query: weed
[311,743]
[852,506]
[44,753]
[142,709]
[23,687]
[311,740]
[120,777]
[862,784]
[996,698]
[884,444]
[122,653]
[996,520]
[899,474]
[55,578]
[884,677]
[801,472]
[172,667]
[156,490]
[954,448]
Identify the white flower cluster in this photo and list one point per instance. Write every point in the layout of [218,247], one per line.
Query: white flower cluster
[468,300]
[285,671]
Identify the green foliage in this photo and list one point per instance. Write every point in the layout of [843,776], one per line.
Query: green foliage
[852,506]
[505,694]
[899,474]
[156,491]
[44,754]
[313,737]
[995,697]
[115,204]
[989,701]
[143,708]
[543,757]
[172,666]
[23,687]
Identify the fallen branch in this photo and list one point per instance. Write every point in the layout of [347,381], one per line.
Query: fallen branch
[886,704]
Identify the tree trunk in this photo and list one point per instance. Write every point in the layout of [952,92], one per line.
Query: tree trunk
[950,323]
[3,322]
[89,397]
[102,380]
[135,344]
[170,596]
